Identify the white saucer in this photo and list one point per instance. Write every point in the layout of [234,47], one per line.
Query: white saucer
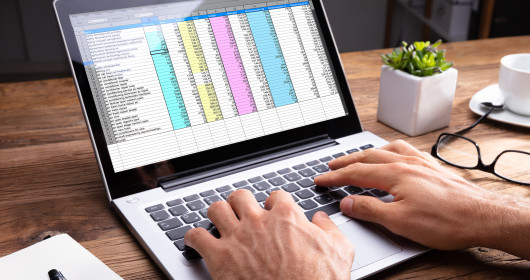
[493,94]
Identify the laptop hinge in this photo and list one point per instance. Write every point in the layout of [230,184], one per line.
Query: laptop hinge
[224,168]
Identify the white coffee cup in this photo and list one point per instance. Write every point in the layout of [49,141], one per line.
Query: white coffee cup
[514,82]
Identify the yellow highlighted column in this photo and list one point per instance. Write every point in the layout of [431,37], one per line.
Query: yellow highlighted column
[209,101]
[199,68]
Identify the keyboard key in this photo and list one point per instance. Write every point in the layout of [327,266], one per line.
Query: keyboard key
[352,151]
[291,187]
[260,197]
[325,159]
[249,188]
[191,255]
[196,205]
[177,233]
[299,166]
[261,186]
[308,204]
[353,190]
[255,179]
[204,224]
[240,184]
[191,197]
[284,171]
[303,194]
[178,210]
[204,213]
[277,181]
[366,194]
[366,147]
[215,233]
[207,193]
[154,208]
[307,172]
[305,183]
[296,199]
[159,216]
[338,155]
[190,218]
[379,193]
[321,168]
[329,209]
[272,190]
[175,202]
[211,199]
[324,199]
[292,177]
[338,194]
[223,189]
[313,162]
[180,244]
[269,175]
[319,190]
[170,224]
[226,194]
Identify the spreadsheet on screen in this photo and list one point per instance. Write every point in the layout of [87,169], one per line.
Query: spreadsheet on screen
[168,83]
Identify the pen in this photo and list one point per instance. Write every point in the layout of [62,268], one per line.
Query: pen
[55,274]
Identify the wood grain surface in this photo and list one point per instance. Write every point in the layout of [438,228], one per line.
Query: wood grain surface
[50,182]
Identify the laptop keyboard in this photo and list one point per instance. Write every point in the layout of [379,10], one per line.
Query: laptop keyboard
[176,217]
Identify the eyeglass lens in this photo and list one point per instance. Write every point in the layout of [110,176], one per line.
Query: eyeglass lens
[514,166]
[458,151]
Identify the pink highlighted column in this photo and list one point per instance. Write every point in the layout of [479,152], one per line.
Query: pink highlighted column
[235,72]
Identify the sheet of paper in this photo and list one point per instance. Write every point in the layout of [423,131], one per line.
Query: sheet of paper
[60,252]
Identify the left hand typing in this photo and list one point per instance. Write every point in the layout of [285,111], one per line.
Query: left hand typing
[277,242]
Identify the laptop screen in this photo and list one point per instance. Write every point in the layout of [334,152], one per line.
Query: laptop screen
[176,79]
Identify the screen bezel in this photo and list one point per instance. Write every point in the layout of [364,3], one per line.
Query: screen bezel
[138,179]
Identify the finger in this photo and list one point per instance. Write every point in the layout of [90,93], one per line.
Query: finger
[202,241]
[222,216]
[403,148]
[278,197]
[322,220]
[380,176]
[244,203]
[366,208]
[373,156]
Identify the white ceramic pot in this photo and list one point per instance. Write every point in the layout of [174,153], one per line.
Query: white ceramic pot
[416,105]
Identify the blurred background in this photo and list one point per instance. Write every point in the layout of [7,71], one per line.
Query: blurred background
[31,47]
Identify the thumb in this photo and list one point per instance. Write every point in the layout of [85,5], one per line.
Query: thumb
[202,241]
[322,220]
[365,208]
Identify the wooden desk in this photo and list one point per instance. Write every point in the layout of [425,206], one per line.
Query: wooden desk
[50,182]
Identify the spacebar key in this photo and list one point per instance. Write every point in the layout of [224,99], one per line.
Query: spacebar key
[329,209]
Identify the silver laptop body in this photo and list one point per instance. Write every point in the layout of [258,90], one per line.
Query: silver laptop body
[186,101]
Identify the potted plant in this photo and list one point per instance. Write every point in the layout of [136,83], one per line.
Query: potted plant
[417,89]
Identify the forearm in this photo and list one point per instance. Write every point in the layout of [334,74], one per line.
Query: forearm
[509,227]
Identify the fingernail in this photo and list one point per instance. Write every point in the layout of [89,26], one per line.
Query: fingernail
[346,205]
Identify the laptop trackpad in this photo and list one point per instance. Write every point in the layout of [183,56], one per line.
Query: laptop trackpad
[370,246]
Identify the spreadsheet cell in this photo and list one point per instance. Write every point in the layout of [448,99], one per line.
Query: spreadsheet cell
[252,125]
[169,87]
[186,141]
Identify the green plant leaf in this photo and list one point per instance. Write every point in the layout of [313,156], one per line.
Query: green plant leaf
[419,58]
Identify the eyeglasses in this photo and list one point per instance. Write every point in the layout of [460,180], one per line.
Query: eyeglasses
[462,152]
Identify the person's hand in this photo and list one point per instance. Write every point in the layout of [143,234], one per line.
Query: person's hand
[277,243]
[432,205]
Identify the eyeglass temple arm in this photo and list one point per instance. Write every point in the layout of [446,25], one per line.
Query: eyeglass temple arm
[476,123]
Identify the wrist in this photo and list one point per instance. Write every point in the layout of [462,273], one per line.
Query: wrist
[505,226]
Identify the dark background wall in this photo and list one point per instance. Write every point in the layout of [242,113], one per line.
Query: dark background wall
[31,46]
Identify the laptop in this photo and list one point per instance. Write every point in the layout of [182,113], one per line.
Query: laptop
[187,101]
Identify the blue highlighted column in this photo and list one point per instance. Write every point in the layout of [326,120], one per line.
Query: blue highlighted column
[271,55]
[168,80]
